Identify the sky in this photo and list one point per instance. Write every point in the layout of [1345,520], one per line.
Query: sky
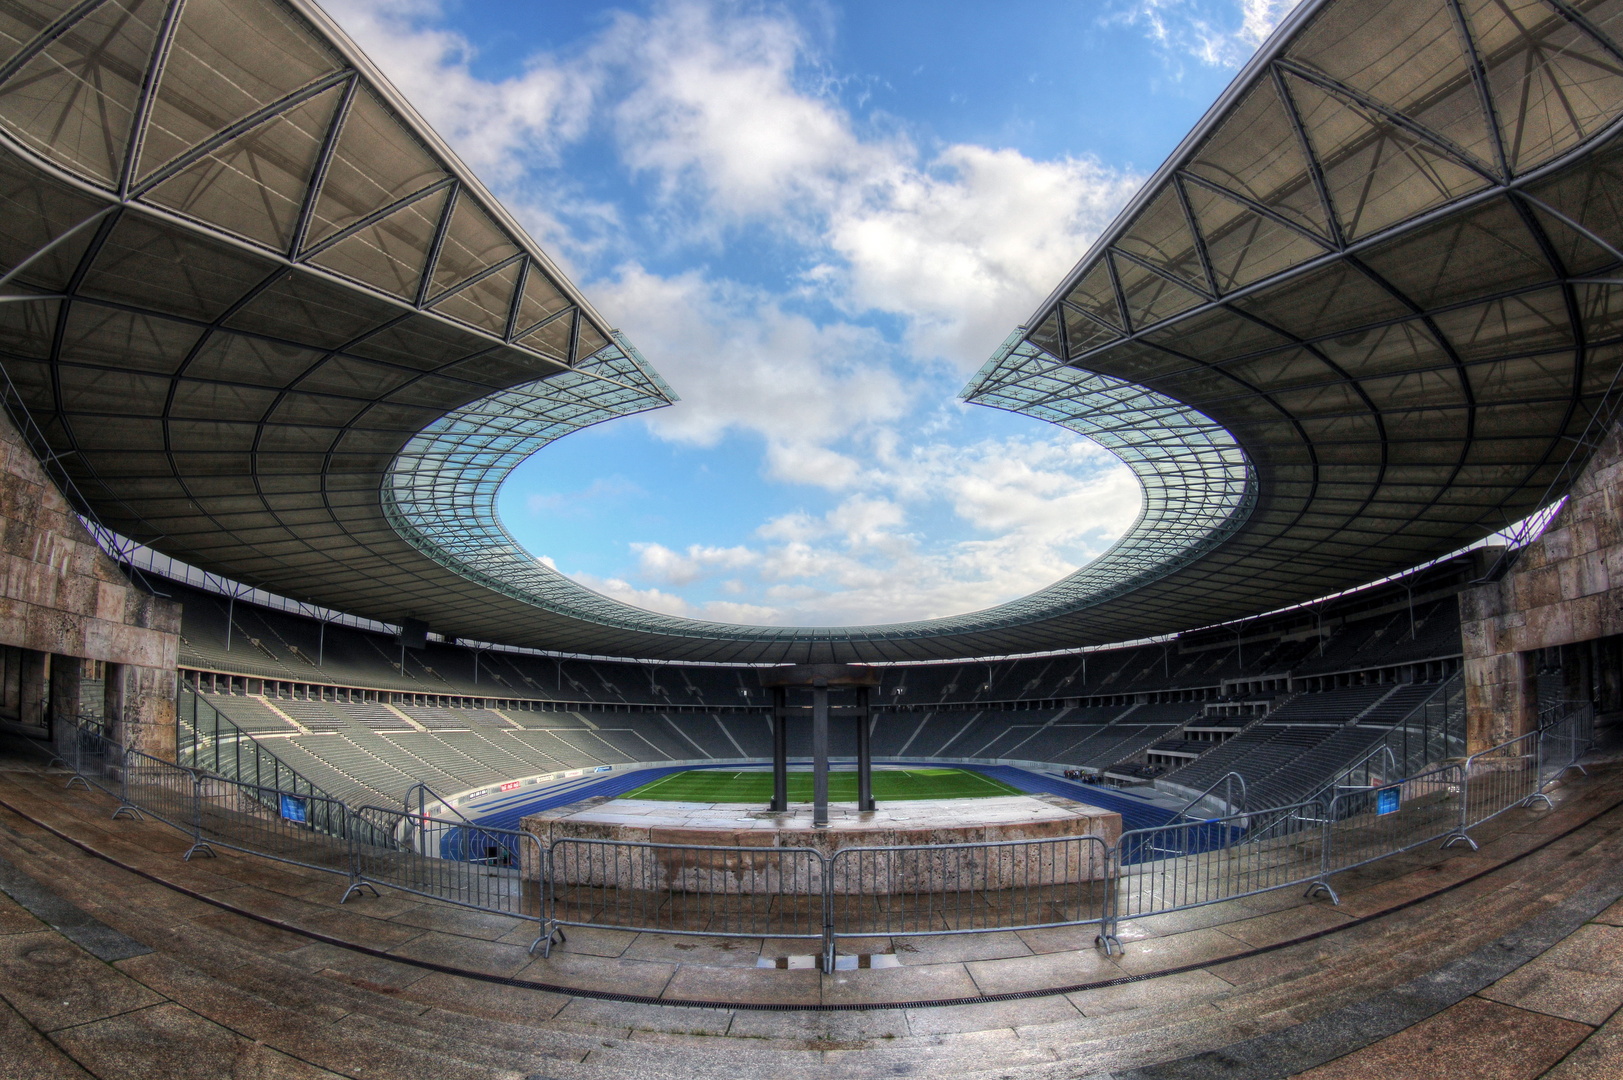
[816,220]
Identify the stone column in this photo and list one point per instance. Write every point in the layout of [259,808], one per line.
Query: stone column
[1501,696]
[141,709]
[31,703]
[780,749]
[864,753]
[820,753]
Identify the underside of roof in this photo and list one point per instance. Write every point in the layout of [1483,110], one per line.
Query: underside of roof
[1362,317]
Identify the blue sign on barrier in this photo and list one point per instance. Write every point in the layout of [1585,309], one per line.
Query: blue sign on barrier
[1388,799]
[604,768]
[293,809]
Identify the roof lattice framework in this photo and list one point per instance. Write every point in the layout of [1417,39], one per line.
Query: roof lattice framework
[1360,318]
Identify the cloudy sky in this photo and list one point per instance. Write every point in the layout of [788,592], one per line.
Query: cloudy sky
[816,220]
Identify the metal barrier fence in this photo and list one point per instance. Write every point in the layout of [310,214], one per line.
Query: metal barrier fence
[766,892]
[495,870]
[777,892]
[1363,826]
[904,891]
[207,739]
[1194,863]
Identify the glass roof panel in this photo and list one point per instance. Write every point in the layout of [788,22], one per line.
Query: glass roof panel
[255,184]
[312,310]
[1242,245]
[1485,250]
[1589,193]
[389,254]
[552,339]
[37,210]
[1256,152]
[75,101]
[1096,295]
[1377,174]
[1552,84]
[1420,65]
[22,20]
[1160,236]
[486,302]
[1084,333]
[473,242]
[376,163]
[1151,297]
[541,299]
[229,59]
[165,268]
[1046,337]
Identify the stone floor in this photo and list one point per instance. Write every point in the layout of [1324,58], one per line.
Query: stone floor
[119,960]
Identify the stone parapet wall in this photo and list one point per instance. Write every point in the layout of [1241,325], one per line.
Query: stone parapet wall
[1566,587]
[1048,840]
[60,594]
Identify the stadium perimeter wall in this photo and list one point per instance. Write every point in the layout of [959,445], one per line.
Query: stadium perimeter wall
[1565,591]
[64,601]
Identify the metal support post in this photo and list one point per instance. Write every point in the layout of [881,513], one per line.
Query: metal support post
[1459,835]
[820,754]
[355,882]
[124,804]
[780,750]
[199,845]
[864,753]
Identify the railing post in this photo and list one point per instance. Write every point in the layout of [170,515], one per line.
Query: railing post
[124,804]
[1108,915]
[1460,834]
[1323,881]
[551,933]
[354,833]
[829,950]
[199,845]
[78,758]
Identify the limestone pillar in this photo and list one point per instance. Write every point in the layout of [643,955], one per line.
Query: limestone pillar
[1501,699]
[140,709]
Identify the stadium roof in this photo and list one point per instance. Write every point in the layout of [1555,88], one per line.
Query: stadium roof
[273,327]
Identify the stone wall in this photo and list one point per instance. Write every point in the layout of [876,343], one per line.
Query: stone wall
[61,596]
[1566,588]
[1054,827]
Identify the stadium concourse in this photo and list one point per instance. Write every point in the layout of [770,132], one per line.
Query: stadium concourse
[286,713]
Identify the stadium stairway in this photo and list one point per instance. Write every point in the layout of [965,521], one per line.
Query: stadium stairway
[118,960]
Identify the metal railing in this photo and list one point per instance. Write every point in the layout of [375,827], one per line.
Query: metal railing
[206,738]
[776,892]
[801,893]
[901,891]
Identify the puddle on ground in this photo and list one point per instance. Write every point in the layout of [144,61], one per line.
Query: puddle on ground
[848,962]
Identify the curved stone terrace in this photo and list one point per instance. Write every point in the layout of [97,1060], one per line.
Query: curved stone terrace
[120,960]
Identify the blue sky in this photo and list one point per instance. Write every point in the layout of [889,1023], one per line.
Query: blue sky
[816,220]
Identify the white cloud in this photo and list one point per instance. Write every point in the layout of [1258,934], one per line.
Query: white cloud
[660,563]
[495,126]
[721,111]
[1217,33]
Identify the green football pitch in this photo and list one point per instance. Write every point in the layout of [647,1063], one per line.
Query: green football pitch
[755,786]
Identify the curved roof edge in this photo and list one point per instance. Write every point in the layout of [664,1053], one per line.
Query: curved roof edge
[1198,486]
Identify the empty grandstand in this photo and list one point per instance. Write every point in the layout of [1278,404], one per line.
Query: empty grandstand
[270,349]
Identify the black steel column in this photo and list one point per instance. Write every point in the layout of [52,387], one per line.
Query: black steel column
[864,752]
[820,753]
[780,750]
